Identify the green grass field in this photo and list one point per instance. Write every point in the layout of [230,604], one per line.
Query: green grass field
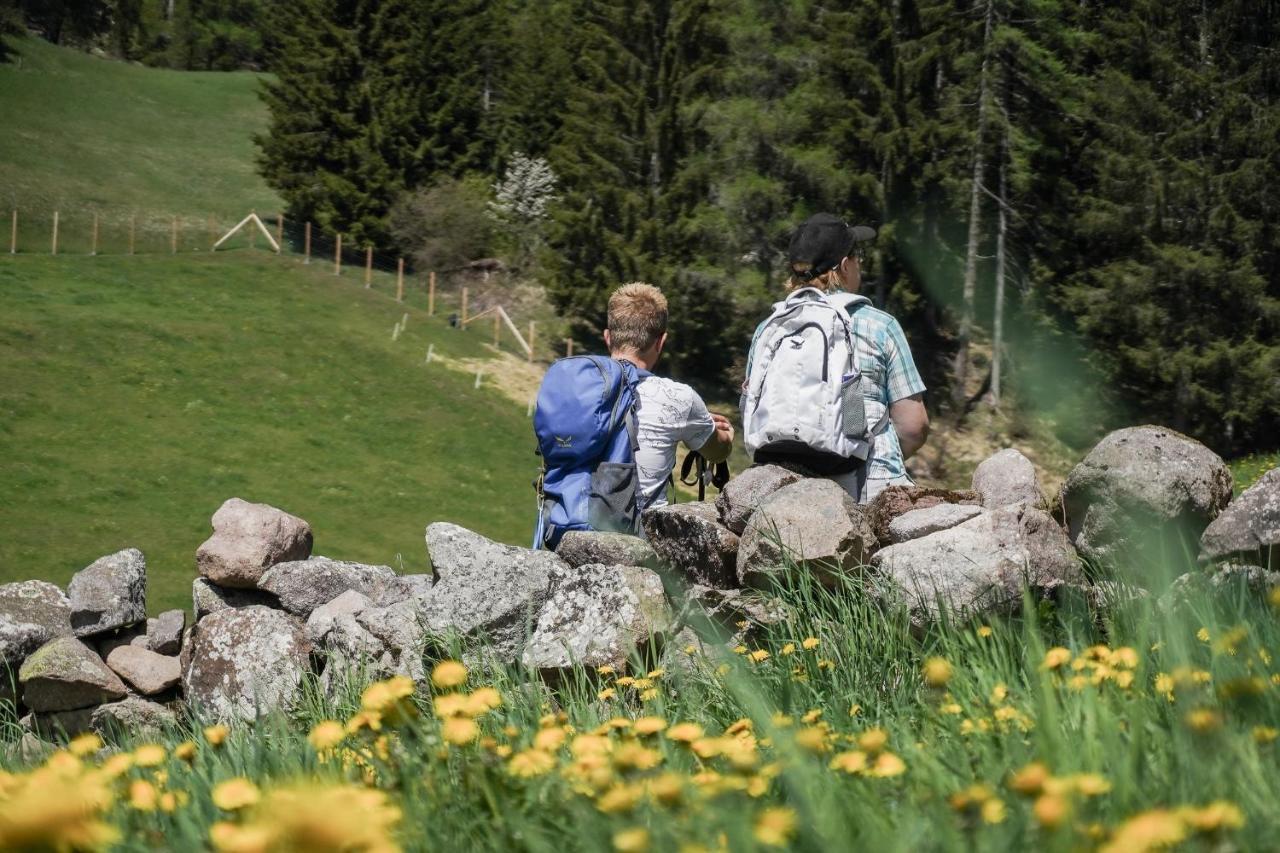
[136,394]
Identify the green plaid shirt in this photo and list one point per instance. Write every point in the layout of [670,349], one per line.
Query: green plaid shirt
[884,357]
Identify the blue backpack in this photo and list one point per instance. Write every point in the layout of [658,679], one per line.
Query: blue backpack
[585,423]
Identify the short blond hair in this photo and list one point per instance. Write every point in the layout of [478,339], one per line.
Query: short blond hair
[637,316]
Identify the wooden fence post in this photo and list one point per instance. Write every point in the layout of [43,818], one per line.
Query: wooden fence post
[133,230]
[532,326]
[55,233]
[13,235]
[368,267]
[337,257]
[497,330]
[173,237]
[253,232]
[568,346]
[306,244]
[93,250]
[399,279]
[464,307]
[279,232]
[431,294]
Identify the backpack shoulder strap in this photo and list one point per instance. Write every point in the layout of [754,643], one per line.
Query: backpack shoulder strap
[848,302]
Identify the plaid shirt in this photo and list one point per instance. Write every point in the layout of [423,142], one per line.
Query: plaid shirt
[884,357]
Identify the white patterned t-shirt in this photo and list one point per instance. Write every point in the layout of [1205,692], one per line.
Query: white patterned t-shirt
[667,413]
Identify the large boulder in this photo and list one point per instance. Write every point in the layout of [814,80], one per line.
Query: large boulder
[207,597]
[109,594]
[1144,493]
[1249,528]
[402,588]
[894,501]
[812,524]
[743,494]
[485,591]
[980,566]
[246,662]
[304,585]
[596,616]
[247,540]
[357,638]
[147,672]
[931,519]
[164,632]
[1007,478]
[31,614]
[327,616]
[132,717]
[65,674]
[690,539]
[592,547]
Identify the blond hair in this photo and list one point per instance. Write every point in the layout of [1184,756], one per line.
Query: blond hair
[637,316]
[829,280]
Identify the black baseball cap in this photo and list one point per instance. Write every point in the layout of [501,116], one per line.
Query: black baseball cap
[821,242]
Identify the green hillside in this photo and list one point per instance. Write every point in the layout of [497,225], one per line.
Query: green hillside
[138,393]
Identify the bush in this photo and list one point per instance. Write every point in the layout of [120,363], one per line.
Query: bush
[445,225]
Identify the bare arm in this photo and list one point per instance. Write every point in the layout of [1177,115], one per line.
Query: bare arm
[911,422]
[720,444]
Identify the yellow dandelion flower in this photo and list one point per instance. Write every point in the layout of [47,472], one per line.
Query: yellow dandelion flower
[642,683]
[648,725]
[448,674]
[873,740]
[149,755]
[1125,657]
[549,740]
[634,840]
[1274,597]
[656,673]
[117,765]
[999,693]
[391,700]
[85,744]
[171,800]
[775,826]
[666,788]
[1056,658]
[810,643]
[235,794]
[1265,734]
[1123,680]
[740,727]
[1050,810]
[887,765]
[649,695]
[1203,635]
[780,720]
[459,731]
[826,663]
[590,745]
[605,670]
[740,649]
[984,631]
[1030,779]
[362,720]
[813,739]
[759,656]
[685,732]
[1214,817]
[143,796]
[1203,720]
[787,649]
[624,681]
[530,762]
[482,700]
[855,709]
[617,723]
[1149,830]
[620,799]
[451,705]
[216,735]
[636,756]
[1089,784]
[185,751]
[853,761]
[327,735]
[937,672]
[690,650]
[232,838]
[993,811]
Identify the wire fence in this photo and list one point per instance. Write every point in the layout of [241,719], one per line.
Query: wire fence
[469,298]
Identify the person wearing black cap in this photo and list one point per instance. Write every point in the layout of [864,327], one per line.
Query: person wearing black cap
[824,254]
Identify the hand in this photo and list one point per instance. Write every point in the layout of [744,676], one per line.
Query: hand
[724,429]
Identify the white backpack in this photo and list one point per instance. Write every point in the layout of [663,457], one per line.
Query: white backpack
[803,401]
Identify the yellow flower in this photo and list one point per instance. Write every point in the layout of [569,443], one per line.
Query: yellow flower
[1274,597]
[634,840]
[809,643]
[117,765]
[459,730]
[775,826]
[636,756]
[887,765]
[1125,657]
[235,794]
[656,673]
[1203,635]
[787,649]
[666,788]
[448,673]
[854,761]
[530,762]
[937,672]
[313,817]
[590,745]
[758,656]
[605,670]
[451,705]
[619,799]
[1051,810]
[813,739]
[826,663]
[86,744]
[327,735]
[1151,830]
[1203,720]
[648,725]
[999,693]
[1056,658]
[649,695]
[606,694]
[1089,784]
[232,838]
[993,811]
[1265,734]
[640,683]
[549,740]
[685,732]
[873,740]
[482,700]
[391,700]
[143,795]
[1030,780]
[361,720]
[627,681]
[984,631]
[1216,816]
[185,751]
[216,735]
[170,800]
[148,755]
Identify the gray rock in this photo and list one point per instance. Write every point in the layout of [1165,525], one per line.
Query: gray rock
[1249,528]
[814,524]
[246,662]
[207,597]
[588,547]
[164,632]
[1143,493]
[744,493]
[324,618]
[980,566]
[369,642]
[184,656]
[247,540]
[304,585]
[922,522]
[690,539]
[899,500]
[597,615]
[1007,478]
[59,725]
[134,635]
[109,594]
[149,673]
[31,614]
[732,615]
[402,588]
[485,591]
[132,717]
[65,674]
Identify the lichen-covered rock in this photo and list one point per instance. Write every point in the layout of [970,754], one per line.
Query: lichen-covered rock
[486,592]
[247,540]
[899,500]
[402,588]
[148,673]
[132,717]
[65,674]
[377,642]
[1249,528]
[813,525]
[980,566]
[743,494]
[325,617]
[110,593]
[1007,478]
[1144,492]
[134,635]
[59,725]
[596,616]
[164,632]
[246,662]
[207,597]
[304,585]
[690,539]
[922,522]
[588,547]
[731,615]
[31,614]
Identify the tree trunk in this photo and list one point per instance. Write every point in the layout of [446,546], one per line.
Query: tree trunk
[997,323]
[975,217]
